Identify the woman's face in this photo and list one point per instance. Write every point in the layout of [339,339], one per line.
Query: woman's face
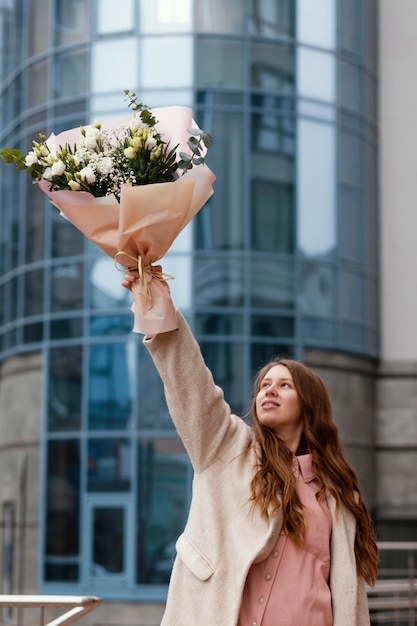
[277,403]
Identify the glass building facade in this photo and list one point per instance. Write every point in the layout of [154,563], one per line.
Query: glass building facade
[283,257]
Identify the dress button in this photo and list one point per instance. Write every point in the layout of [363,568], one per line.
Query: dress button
[282,532]
[254,624]
[275,554]
[268,576]
[261,600]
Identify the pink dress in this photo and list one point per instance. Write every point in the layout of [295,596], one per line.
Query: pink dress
[291,586]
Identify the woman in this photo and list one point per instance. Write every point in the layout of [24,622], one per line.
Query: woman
[277,534]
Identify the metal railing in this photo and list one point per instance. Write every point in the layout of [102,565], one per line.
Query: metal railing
[393,600]
[77,606]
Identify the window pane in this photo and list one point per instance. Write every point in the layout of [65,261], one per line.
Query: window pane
[33,294]
[316,74]
[64,401]
[274,288]
[109,465]
[219,324]
[272,18]
[220,222]
[153,411]
[317,289]
[352,224]
[262,353]
[273,219]
[160,16]
[67,286]
[219,281]
[104,284]
[38,21]
[211,69]
[110,70]
[316,188]
[38,82]
[351,87]
[351,295]
[218,16]
[164,483]
[352,20]
[316,22]
[115,20]
[351,159]
[62,525]
[225,360]
[156,71]
[272,67]
[71,21]
[71,74]
[66,239]
[109,401]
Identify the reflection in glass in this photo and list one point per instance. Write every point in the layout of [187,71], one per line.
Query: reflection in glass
[71,74]
[38,26]
[108,465]
[71,21]
[262,353]
[67,284]
[66,239]
[351,87]
[352,14]
[317,289]
[273,217]
[272,326]
[156,71]
[275,288]
[351,294]
[220,223]
[219,324]
[351,158]
[164,479]
[111,21]
[352,224]
[316,74]
[34,223]
[219,281]
[109,540]
[153,411]
[212,71]
[33,292]
[316,23]
[272,67]
[38,82]
[165,16]
[109,401]
[218,16]
[66,328]
[105,289]
[109,66]
[316,187]
[272,18]
[62,523]
[64,388]
[225,361]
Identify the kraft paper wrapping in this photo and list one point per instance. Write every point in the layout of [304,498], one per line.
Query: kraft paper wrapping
[140,230]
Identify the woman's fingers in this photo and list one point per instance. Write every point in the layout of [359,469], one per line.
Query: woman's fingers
[130,278]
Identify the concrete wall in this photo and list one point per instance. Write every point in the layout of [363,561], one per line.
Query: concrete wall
[397,386]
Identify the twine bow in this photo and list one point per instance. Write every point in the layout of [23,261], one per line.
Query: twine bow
[146,274]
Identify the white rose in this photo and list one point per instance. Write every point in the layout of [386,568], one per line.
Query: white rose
[58,168]
[31,159]
[90,143]
[150,143]
[136,123]
[87,174]
[47,175]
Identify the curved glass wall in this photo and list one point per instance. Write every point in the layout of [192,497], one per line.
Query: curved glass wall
[283,257]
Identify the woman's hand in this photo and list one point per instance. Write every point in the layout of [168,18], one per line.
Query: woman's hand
[130,277]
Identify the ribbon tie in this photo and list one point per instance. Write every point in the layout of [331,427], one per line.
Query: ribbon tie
[146,274]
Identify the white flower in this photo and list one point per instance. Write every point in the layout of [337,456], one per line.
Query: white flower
[90,142]
[150,143]
[136,123]
[87,174]
[74,185]
[58,168]
[105,166]
[93,131]
[31,159]
[129,153]
[47,175]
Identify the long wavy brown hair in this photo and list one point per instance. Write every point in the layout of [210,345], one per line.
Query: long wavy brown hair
[274,483]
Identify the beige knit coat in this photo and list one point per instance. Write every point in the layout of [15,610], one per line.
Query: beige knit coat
[223,536]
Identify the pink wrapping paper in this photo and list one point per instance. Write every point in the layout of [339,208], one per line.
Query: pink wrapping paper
[141,229]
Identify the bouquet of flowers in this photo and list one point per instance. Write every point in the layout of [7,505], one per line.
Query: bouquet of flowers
[130,185]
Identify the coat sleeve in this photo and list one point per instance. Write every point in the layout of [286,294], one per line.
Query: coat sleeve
[197,406]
